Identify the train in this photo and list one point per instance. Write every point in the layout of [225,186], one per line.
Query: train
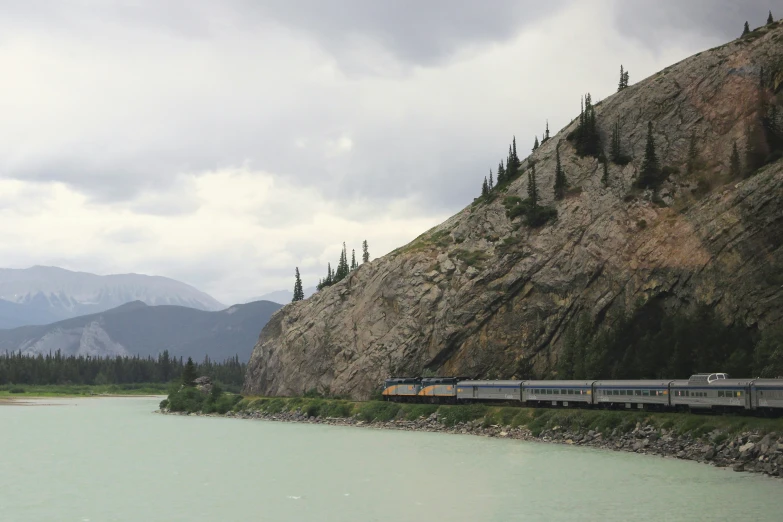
[702,392]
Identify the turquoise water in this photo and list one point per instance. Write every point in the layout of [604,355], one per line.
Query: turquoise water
[113,460]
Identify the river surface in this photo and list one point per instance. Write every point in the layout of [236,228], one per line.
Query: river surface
[112,459]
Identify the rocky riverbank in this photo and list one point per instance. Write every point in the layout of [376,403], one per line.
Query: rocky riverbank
[751,451]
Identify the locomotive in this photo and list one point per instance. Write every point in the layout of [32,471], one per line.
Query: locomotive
[716,392]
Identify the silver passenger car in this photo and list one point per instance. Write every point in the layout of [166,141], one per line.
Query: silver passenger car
[711,391]
[557,393]
[488,390]
[632,393]
[767,394]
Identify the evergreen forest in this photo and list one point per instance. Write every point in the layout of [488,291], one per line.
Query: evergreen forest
[56,368]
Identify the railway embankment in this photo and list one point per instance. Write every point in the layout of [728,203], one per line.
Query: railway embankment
[739,442]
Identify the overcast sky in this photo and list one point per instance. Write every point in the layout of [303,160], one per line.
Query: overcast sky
[224,143]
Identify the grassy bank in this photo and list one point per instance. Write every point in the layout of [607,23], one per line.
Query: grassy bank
[535,419]
[68,390]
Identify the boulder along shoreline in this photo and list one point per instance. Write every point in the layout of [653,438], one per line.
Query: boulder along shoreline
[748,451]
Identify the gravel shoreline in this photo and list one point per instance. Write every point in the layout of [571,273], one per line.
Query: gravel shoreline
[748,451]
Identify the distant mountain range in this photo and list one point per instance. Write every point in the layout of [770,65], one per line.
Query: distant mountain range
[138,329]
[283,296]
[42,294]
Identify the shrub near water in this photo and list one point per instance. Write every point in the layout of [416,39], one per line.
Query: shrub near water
[191,400]
[378,411]
[451,415]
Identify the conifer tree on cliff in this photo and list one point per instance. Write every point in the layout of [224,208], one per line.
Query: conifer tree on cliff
[770,20]
[329,275]
[512,168]
[484,188]
[532,187]
[365,252]
[746,29]
[189,373]
[501,173]
[621,85]
[298,290]
[560,179]
[535,143]
[625,79]
[651,170]
[736,166]
[491,181]
[354,264]
[342,266]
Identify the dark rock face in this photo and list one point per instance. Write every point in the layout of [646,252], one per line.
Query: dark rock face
[480,292]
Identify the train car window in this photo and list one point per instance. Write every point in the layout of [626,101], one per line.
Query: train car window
[739,394]
[645,393]
[720,393]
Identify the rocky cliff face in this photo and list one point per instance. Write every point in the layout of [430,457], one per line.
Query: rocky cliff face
[481,291]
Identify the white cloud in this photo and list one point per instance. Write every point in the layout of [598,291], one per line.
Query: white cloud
[224,146]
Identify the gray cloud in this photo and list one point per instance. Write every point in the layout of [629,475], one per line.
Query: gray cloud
[414,32]
[357,110]
[656,22]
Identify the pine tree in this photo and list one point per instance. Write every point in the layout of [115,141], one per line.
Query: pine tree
[560,179]
[649,175]
[298,290]
[329,281]
[501,173]
[770,20]
[485,188]
[547,130]
[189,373]
[587,139]
[342,266]
[736,167]
[532,187]
[491,181]
[693,155]
[605,177]
[625,79]
[514,149]
[746,29]
[365,252]
[512,165]
[354,264]
[535,143]
[621,85]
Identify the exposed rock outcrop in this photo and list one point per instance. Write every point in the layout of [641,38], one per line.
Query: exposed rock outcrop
[481,291]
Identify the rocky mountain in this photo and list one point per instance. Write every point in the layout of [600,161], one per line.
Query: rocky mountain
[485,294]
[284,296]
[44,294]
[138,329]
